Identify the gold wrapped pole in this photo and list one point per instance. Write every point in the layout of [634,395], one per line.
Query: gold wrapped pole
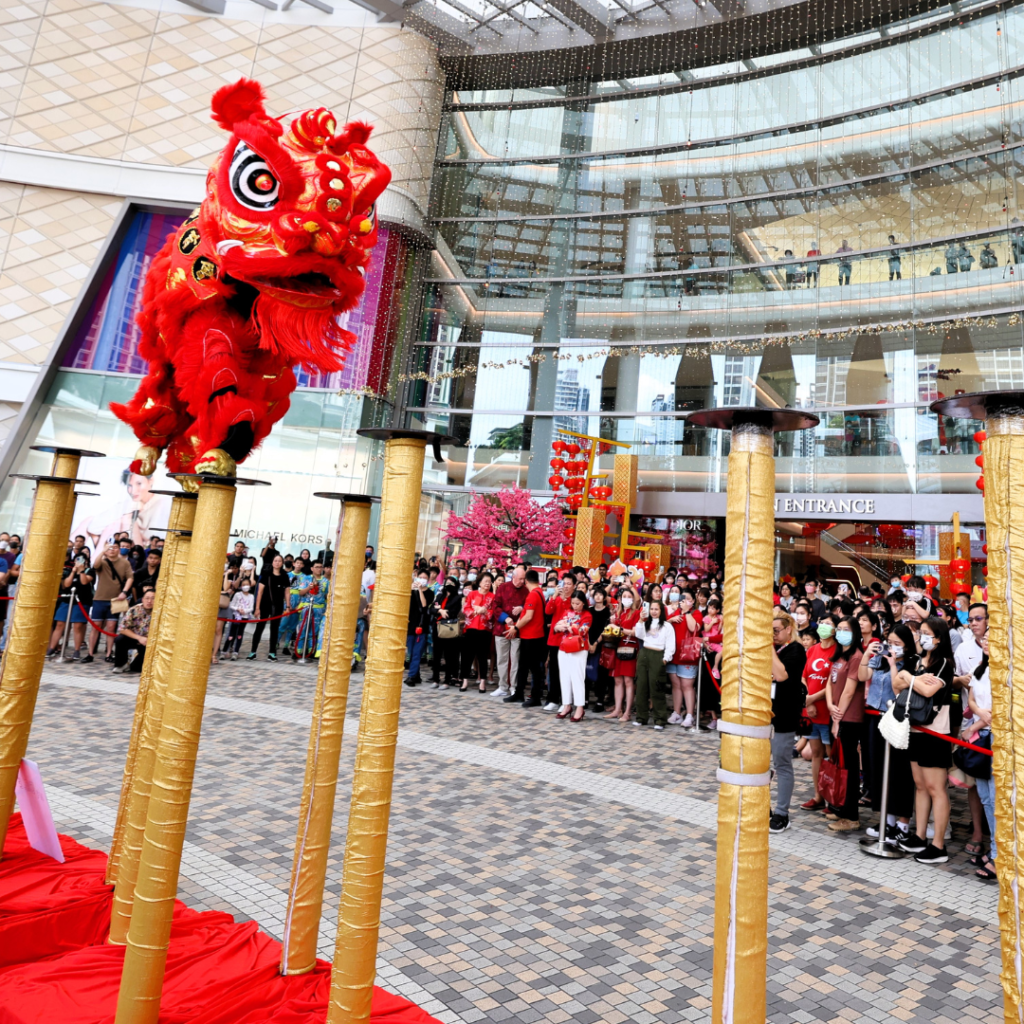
[1003,413]
[355,954]
[739,990]
[32,621]
[156,887]
[126,849]
[316,810]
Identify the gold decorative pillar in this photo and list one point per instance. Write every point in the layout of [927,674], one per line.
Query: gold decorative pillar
[1003,414]
[156,887]
[355,954]
[316,809]
[32,621]
[126,849]
[739,993]
[589,542]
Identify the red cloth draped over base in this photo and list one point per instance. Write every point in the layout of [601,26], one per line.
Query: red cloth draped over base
[55,964]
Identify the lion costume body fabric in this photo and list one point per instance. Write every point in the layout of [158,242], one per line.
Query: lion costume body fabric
[252,283]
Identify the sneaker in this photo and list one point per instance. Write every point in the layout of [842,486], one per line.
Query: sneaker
[435,686]
[778,823]
[234,655]
[551,707]
[639,724]
[688,722]
[502,694]
[674,719]
[932,855]
[251,656]
[52,653]
[598,708]
[118,669]
[86,660]
[659,728]
[911,844]
[271,657]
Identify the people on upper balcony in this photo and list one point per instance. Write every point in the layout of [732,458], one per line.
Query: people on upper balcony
[895,265]
[987,258]
[1017,240]
[845,266]
[964,258]
[812,266]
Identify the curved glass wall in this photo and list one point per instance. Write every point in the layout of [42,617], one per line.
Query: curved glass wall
[841,233]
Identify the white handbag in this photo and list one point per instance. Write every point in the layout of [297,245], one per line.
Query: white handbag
[896,733]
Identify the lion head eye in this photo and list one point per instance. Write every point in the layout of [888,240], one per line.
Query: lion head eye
[252,181]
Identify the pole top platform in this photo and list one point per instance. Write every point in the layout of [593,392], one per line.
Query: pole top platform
[213,478]
[174,494]
[725,418]
[432,438]
[45,477]
[61,450]
[358,499]
[980,405]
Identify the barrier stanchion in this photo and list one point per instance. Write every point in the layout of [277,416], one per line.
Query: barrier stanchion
[156,888]
[696,710]
[316,809]
[739,989]
[67,625]
[882,848]
[32,620]
[123,864]
[355,953]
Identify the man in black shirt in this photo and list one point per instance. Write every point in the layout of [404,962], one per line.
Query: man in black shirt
[788,696]
[420,601]
[145,576]
[814,599]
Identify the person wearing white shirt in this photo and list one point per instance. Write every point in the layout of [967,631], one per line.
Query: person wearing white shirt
[980,701]
[658,647]
[966,658]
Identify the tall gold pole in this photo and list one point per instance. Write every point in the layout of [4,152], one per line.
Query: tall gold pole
[142,976]
[149,709]
[1003,413]
[316,810]
[31,624]
[739,983]
[355,955]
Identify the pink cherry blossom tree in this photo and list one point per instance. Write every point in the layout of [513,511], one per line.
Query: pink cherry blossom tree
[504,525]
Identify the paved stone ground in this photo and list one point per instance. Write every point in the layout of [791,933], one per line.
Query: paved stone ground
[539,870]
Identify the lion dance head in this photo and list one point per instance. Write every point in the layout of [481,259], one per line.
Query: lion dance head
[252,283]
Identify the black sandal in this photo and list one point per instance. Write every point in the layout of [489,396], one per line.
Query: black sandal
[986,872]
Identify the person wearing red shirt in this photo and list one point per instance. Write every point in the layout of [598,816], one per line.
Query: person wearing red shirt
[555,609]
[574,630]
[817,674]
[508,606]
[476,639]
[529,627]
[686,621]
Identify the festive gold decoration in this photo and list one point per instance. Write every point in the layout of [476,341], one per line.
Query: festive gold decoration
[316,810]
[157,885]
[355,953]
[624,479]
[589,538]
[147,456]
[126,849]
[22,665]
[741,883]
[216,462]
[1004,524]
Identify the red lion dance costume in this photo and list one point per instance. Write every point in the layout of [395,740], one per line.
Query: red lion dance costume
[252,284]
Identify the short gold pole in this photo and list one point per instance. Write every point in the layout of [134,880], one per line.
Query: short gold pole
[22,666]
[1004,525]
[739,989]
[142,976]
[355,956]
[149,709]
[316,810]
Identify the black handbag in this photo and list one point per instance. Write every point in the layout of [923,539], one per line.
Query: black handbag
[922,709]
[974,762]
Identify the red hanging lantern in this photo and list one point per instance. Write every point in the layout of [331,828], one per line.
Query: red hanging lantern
[980,437]
[930,582]
[570,532]
[980,484]
[984,570]
[572,448]
[611,553]
[984,549]
[557,465]
[606,528]
[960,570]
[555,481]
[559,447]
[574,501]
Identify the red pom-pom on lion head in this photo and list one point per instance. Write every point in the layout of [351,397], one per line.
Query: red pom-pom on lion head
[278,249]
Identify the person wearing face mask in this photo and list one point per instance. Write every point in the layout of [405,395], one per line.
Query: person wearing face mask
[881,663]
[788,701]
[271,593]
[658,646]
[625,615]
[845,698]
[817,671]
[980,698]
[931,757]
[447,651]
[918,606]
[421,600]
[554,609]
[242,606]
[682,670]
[598,679]
[573,629]
[478,606]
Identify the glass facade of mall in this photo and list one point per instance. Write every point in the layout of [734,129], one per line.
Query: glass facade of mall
[836,230]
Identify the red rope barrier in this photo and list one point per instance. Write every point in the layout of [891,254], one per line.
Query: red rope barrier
[91,623]
[941,736]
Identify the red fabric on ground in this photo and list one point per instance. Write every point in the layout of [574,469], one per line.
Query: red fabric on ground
[218,971]
[48,908]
